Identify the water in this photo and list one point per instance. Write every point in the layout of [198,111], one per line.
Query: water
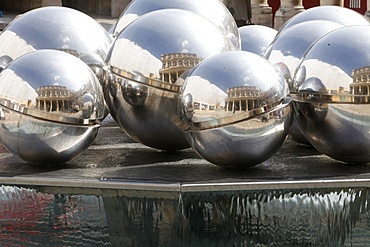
[89,217]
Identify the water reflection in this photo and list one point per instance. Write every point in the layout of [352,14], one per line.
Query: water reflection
[301,217]
[32,218]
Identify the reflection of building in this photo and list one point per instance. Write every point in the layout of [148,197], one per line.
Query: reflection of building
[361,84]
[174,64]
[202,106]
[242,98]
[54,98]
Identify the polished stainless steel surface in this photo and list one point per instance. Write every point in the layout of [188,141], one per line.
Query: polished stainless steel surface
[234,109]
[287,49]
[57,28]
[213,10]
[145,61]
[119,192]
[289,46]
[50,105]
[340,15]
[332,105]
[256,38]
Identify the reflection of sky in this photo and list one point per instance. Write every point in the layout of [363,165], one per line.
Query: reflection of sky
[128,56]
[49,67]
[239,68]
[331,76]
[291,44]
[256,38]
[346,48]
[57,28]
[204,91]
[344,16]
[175,31]
[213,10]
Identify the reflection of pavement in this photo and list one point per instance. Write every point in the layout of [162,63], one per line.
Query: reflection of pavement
[356,109]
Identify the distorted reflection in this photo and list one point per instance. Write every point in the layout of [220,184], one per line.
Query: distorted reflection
[343,90]
[304,217]
[175,64]
[212,10]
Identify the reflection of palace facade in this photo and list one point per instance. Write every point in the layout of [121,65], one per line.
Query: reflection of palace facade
[361,84]
[54,98]
[174,64]
[242,98]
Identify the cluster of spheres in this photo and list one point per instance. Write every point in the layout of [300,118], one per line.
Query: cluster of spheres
[178,74]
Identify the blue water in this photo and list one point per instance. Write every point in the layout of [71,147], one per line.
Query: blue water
[60,217]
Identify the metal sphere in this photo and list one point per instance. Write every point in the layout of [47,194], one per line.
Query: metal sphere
[287,50]
[50,102]
[256,38]
[235,110]
[340,15]
[58,28]
[213,10]
[145,62]
[332,105]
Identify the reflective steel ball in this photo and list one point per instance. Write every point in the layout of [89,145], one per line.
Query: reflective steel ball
[213,10]
[287,50]
[256,38]
[333,85]
[58,28]
[235,110]
[50,102]
[145,61]
[340,15]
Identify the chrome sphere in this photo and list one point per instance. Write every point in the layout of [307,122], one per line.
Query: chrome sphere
[58,28]
[50,102]
[256,38]
[213,10]
[145,62]
[340,15]
[332,105]
[235,110]
[287,50]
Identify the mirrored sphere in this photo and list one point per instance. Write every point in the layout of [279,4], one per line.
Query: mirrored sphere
[340,15]
[235,110]
[213,10]
[49,103]
[333,83]
[145,61]
[58,28]
[287,50]
[256,38]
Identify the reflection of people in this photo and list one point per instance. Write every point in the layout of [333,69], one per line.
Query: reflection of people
[240,10]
